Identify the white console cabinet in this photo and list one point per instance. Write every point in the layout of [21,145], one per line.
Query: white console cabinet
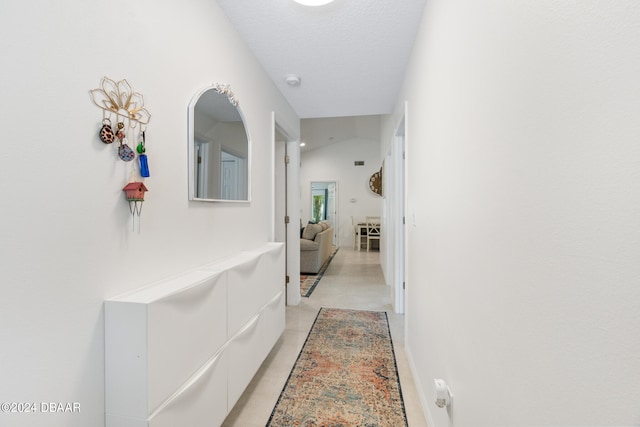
[181,352]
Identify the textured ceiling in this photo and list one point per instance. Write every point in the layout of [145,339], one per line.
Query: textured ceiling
[351,55]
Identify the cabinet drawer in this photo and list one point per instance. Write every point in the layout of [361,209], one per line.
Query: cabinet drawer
[248,349]
[185,330]
[202,404]
[253,282]
[158,337]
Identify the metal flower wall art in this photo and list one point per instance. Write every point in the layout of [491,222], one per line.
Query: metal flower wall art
[121,99]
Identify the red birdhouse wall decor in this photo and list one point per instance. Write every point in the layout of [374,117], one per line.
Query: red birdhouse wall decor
[135,191]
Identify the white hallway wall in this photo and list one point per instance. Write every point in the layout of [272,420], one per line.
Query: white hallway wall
[67,239]
[335,163]
[524,174]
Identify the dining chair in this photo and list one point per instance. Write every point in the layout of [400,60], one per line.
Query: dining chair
[356,233]
[373,230]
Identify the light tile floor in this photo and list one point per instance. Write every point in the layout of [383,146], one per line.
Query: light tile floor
[353,280]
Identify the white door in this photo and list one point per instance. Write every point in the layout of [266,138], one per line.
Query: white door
[201,167]
[280,193]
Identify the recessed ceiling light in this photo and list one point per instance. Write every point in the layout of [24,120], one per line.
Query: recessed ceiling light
[313,2]
[302,144]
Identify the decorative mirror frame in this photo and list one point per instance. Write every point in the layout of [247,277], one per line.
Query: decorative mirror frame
[223,89]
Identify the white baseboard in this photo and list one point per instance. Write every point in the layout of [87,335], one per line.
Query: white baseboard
[424,402]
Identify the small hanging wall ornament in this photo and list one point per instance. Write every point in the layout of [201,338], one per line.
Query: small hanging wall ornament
[125,152]
[142,157]
[134,192]
[106,133]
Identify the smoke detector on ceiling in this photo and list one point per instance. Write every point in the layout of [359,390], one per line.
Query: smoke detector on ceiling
[292,80]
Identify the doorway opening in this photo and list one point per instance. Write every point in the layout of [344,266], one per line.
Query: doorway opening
[324,204]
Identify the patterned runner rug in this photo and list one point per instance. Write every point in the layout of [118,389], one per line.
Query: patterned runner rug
[308,282]
[345,375]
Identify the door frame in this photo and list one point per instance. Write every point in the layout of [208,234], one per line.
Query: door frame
[399,250]
[395,245]
[289,196]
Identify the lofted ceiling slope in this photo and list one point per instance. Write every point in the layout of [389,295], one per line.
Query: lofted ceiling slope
[320,132]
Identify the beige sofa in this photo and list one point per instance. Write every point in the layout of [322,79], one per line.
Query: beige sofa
[316,246]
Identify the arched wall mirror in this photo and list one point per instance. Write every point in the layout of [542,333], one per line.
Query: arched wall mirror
[219,147]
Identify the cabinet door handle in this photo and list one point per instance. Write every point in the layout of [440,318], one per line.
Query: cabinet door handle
[196,377]
[249,325]
[196,291]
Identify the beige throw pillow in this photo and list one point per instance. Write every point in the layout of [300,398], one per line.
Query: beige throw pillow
[311,230]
